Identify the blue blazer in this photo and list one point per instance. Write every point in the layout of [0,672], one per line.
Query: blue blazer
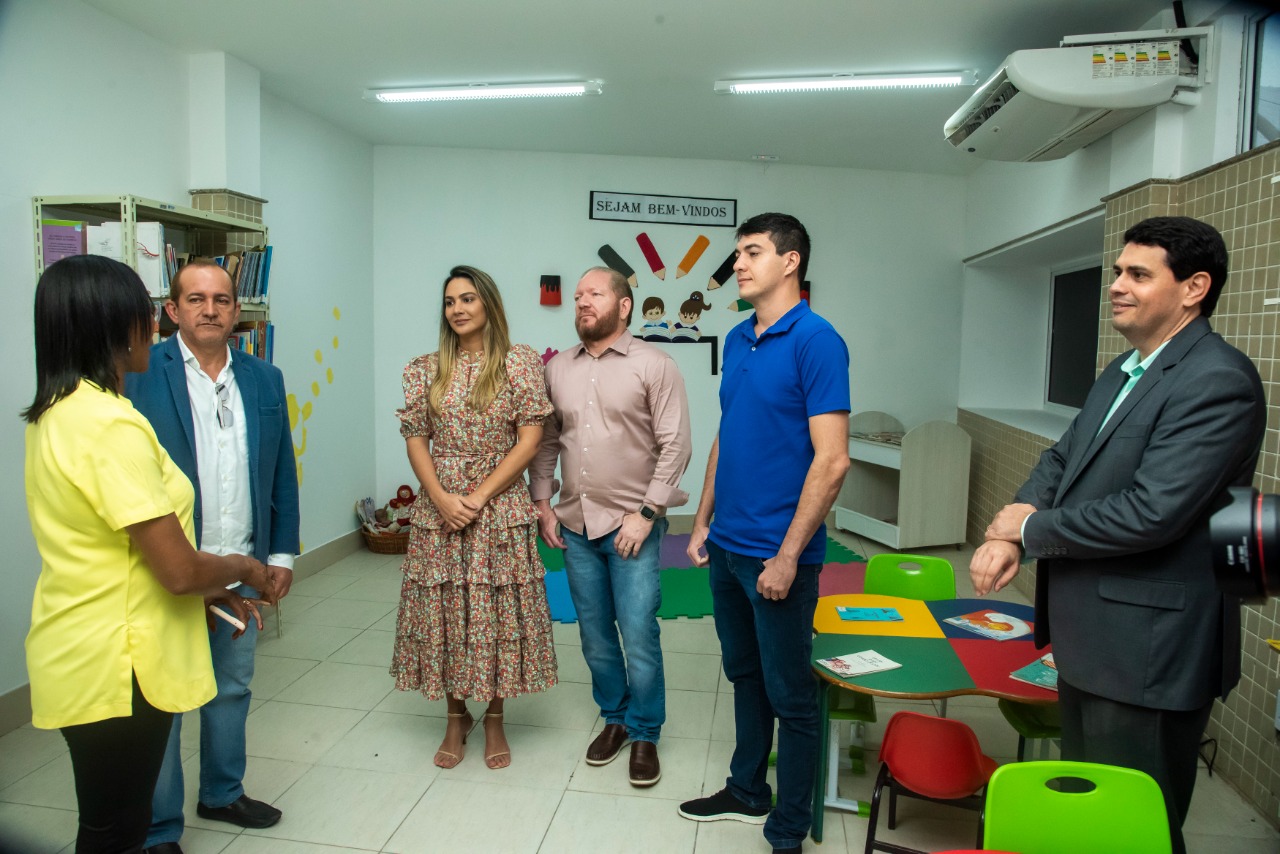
[161,395]
[1125,585]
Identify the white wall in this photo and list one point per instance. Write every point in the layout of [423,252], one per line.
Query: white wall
[883,265]
[318,181]
[1002,360]
[80,127]
[72,132]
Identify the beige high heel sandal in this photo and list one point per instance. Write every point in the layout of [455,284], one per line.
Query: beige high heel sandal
[442,753]
[489,758]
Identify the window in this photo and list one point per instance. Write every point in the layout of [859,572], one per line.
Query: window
[1073,335]
[1262,121]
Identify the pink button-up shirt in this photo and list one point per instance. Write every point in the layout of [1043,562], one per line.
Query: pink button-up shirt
[621,431]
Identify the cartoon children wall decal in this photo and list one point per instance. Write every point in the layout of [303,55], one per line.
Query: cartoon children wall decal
[655,328]
[690,310]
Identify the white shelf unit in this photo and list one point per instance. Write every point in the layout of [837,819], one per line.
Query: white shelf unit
[197,231]
[907,496]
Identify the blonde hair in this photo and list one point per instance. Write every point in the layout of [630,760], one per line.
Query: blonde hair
[497,342]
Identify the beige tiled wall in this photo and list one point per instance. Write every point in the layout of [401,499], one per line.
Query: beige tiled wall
[232,204]
[1238,198]
[998,464]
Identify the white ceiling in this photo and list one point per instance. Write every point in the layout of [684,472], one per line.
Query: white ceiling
[657,58]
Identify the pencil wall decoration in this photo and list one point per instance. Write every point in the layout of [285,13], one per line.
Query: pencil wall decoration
[614,261]
[691,257]
[549,290]
[723,272]
[739,305]
[651,255]
[806,290]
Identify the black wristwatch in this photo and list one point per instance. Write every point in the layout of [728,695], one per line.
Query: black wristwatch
[648,512]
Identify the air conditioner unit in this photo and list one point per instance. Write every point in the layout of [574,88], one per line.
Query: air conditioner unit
[1045,104]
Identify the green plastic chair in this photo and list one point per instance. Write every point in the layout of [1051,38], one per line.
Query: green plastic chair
[1124,812]
[1033,722]
[911,577]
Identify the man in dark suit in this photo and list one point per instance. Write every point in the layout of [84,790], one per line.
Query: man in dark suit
[223,417]
[1117,513]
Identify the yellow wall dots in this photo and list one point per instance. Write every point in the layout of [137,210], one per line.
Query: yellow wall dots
[299,414]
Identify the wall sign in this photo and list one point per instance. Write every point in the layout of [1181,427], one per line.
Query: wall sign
[678,210]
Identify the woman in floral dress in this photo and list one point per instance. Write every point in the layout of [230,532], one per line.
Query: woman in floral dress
[473,622]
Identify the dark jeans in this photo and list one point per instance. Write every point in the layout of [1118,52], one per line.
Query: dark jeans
[766,648]
[115,763]
[1159,742]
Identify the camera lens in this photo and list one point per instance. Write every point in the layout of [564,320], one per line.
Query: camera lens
[1245,536]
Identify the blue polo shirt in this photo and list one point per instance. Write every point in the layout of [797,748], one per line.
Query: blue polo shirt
[771,386]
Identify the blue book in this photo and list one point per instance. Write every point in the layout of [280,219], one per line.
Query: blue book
[870,615]
[1042,672]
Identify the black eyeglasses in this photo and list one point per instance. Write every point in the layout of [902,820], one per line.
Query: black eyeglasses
[225,417]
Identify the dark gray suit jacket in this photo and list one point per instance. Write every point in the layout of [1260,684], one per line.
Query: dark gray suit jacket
[1125,585]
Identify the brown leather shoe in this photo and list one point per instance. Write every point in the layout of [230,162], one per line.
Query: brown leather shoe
[645,770]
[607,745]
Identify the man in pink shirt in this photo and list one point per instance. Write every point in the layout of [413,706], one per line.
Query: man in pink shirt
[621,432]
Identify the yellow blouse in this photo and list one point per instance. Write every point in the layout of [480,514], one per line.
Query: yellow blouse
[94,467]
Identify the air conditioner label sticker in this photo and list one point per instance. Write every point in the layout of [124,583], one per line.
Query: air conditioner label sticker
[1139,59]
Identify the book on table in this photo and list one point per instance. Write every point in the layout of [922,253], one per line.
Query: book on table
[992,624]
[858,664]
[873,615]
[1041,672]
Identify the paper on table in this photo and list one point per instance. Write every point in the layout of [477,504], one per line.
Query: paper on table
[858,663]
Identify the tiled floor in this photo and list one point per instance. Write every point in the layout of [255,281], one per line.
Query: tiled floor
[348,759]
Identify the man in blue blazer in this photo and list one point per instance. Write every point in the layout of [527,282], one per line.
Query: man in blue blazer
[1117,513]
[223,417]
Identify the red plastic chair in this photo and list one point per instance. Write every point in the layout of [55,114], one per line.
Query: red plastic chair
[932,759]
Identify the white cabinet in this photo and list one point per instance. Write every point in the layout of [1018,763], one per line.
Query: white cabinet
[906,495]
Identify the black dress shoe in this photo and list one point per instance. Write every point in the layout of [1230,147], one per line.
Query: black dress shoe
[607,745]
[163,848]
[244,811]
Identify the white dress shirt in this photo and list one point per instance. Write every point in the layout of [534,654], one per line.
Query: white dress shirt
[222,461]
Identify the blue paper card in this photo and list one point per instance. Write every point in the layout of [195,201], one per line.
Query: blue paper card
[870,615]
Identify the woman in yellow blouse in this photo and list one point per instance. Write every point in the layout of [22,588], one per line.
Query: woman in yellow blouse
[118,642]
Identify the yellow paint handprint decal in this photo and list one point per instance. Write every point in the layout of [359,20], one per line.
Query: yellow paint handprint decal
[299,414]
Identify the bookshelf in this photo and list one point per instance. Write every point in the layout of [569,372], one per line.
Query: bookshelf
[905,495]
[199,230]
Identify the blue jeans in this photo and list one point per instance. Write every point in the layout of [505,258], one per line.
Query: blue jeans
[766,648]
[222,741]
[613,594]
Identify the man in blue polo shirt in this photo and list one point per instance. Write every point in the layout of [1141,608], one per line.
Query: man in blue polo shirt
[773,474]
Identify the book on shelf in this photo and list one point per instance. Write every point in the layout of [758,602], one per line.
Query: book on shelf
[1042,672]
[61,238]
[148,251]
[992,624]
[858,664]
[870,615]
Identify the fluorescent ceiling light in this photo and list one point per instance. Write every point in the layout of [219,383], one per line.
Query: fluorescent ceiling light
[837,82]
[483,91]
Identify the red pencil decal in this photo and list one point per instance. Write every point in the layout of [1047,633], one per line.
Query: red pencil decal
[651,255]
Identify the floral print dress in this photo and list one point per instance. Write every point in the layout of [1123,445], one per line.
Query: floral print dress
[474,621]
